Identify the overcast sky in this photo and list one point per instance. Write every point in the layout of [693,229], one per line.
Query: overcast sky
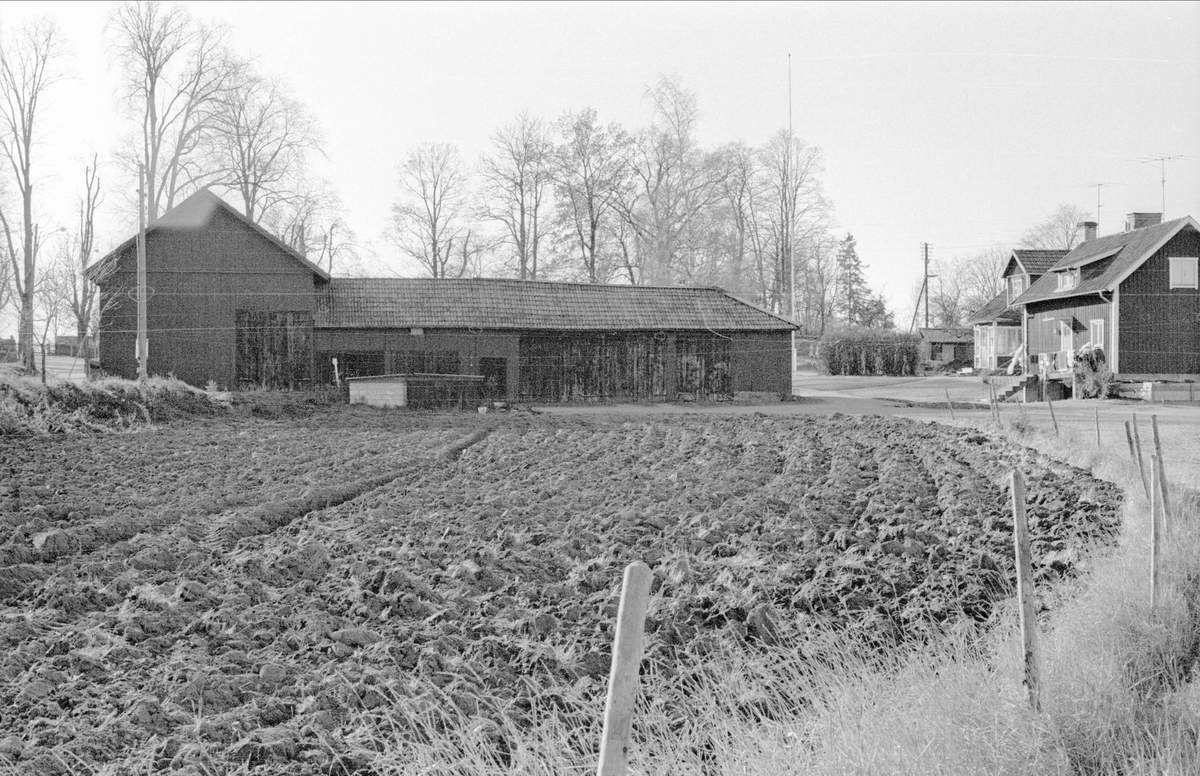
[958,124]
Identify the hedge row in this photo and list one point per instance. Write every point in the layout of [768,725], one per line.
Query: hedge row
[869,352]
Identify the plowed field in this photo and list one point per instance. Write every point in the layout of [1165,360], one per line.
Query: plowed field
[230,593]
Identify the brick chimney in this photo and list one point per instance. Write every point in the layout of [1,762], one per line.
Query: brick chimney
[1089,230]
[1140,220]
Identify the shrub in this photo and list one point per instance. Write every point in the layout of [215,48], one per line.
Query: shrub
[1096,380]
[869,352]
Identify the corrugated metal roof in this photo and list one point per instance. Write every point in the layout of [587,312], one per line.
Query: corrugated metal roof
[486,303]
[1133,248]
[997,309]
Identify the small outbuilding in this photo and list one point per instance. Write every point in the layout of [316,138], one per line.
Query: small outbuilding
[947,346]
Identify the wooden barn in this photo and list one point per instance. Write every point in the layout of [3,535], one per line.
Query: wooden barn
[1134,296]
[228,302]
[232,305]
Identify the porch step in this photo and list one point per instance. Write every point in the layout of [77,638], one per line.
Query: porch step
[1009,386]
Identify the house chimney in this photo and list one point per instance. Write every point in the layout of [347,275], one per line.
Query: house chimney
[1089,230]
[1140,220]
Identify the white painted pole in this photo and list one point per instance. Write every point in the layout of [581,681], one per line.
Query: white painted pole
[623,677]
[1025,592]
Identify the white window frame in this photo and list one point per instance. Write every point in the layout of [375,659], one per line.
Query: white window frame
[1183,261]
[1096,328]
[1067,280]
[1066,337]
[1016,287]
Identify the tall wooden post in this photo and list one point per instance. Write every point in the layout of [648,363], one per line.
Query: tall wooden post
[1129,439]
[1161,473]
[1155,539]
[1053,419]
[1137,442]
[1025,592]
[1098,428]
[143,350]
[623,676]
[949,403]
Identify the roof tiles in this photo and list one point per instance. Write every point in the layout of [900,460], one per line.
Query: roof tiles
[484,303]
[1132,247]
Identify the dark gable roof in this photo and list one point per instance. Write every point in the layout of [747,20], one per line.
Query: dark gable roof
[480,303]
[1131,249]
[1038,262]
[997,309]
[194,212]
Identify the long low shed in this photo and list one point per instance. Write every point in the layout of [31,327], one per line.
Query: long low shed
[545,341]
[234,307]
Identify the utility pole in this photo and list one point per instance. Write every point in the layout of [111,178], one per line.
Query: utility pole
[925,285]
[143,350]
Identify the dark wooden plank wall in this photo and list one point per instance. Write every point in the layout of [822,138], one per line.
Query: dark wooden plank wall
[1043,326]
[593,366]
[392,351]
[200,278]
[274,349]
[1159,325]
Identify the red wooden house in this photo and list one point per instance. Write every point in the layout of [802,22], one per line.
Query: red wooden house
[997,325]
[1133,295]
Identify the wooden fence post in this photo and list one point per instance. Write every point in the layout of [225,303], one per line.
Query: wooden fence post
[1050,404]
[623,676]
[949,403]
[1025,592]
[1137,442]
[1154,537]
[1161,474]
[1098,428]
[1129,439]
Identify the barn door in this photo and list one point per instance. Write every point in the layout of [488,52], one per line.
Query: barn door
[274,349]
[703,368]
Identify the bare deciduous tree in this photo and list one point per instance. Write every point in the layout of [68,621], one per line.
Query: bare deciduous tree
[177,75]
[965,284]
[675,182]
[78,290]
[516,180]
[262,137]
[28,67]
[427,222]
[740,205]
[1060,231]
[797,208]
[590,168]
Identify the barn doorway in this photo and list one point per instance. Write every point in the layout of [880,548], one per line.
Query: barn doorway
[495,378]
[274,349]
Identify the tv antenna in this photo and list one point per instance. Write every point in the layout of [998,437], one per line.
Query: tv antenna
[1098,187]
[1161,160]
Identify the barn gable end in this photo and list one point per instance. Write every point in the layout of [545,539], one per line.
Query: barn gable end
[214,280]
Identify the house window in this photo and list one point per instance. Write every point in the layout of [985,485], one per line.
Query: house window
[1184,272]
[1098,333]
[1067,279]
[1016,287]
